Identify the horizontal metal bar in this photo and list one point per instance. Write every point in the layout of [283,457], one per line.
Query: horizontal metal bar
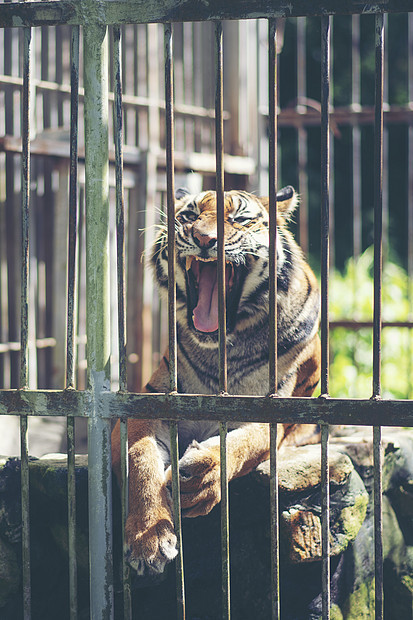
[361,412]
[45,402]
[356,325]
[113,12]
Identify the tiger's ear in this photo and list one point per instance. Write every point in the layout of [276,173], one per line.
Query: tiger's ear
[181,192]
[287,200]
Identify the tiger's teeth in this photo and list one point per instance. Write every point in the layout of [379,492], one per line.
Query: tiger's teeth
[188,263]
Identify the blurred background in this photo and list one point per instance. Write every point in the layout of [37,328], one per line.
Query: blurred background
[246,167]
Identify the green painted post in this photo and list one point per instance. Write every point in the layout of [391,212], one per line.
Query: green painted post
[98,326]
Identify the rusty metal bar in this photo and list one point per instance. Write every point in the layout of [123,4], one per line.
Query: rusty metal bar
[120,262]
[24,312]
[272,366]
[222,335]
[71,318]
[172,331]
[325,260]
[378,231]
[243,409]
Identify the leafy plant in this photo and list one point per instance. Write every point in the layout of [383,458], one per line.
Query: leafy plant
[351,351]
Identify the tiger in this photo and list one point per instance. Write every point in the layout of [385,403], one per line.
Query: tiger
[150,537]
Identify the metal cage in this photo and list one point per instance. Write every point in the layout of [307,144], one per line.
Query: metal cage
[98,404]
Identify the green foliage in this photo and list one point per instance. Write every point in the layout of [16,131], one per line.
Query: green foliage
[351,352]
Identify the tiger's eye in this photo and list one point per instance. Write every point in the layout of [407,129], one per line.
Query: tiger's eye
[242,219]
[189,216]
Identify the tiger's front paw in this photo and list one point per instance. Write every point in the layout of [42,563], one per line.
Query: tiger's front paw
[199,477]
[150,546]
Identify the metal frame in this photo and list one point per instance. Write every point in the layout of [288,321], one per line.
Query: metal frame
[98,403]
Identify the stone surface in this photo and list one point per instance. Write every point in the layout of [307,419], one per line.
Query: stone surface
[351,522]
[299,485]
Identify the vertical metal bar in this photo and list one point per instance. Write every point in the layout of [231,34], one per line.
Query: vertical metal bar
[219,138]
[73,210]
[378,203]
[410,204]
[25,208]
[378,197]
[385,139]
[356,137]
[220,196]
[356,173]
[71,318]
[25,519]
[98,323]
[24,318]
[272,367]
[172,331]
[124,464]
[325,226]
[325,521]
[120,250]
[71,492]
[120,208]
[325,199]
[272,44]
[302,133]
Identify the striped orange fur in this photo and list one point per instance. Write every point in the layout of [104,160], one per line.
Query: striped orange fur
[149,531]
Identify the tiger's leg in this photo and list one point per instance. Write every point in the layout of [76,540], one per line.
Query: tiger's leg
[199,468]
[150,535]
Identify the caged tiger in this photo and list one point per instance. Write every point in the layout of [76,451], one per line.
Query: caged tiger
[150,533]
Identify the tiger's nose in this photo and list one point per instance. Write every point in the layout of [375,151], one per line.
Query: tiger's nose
[204,239]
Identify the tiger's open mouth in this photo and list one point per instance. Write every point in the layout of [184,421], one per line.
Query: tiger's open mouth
[202,292]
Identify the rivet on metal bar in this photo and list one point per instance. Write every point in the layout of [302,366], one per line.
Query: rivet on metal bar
[325,226]
[272,175]
[120,262]
[377,318]
[24,318]
[222,350]
[172,331]
[71,318]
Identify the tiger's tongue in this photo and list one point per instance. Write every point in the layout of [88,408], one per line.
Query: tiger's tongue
[205,316]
